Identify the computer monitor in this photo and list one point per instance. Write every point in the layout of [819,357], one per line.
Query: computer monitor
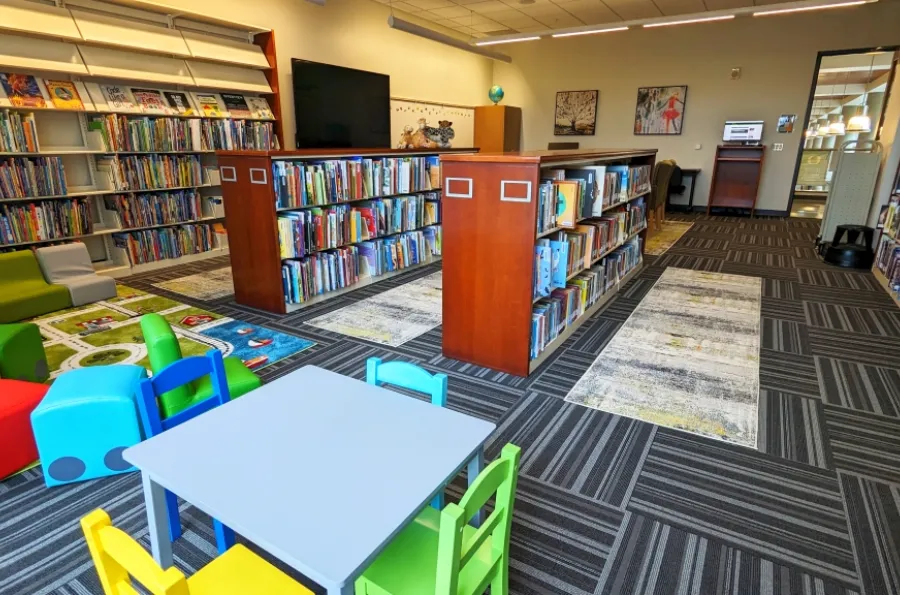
[743,131]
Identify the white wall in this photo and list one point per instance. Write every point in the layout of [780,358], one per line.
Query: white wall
[777,55]
[354,33]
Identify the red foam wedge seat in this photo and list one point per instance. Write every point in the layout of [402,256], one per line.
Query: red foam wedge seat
[17,400]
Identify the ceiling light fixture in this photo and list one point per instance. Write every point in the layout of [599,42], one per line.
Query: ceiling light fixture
[499,41]
[688,21]
[430,34]
[861,122]
[808,8]
[590,32]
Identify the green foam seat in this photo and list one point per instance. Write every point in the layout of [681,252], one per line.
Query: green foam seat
[23,291]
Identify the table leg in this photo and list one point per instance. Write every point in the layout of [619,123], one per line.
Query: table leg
[691,197]
[475,467]
[347,589]
[155,500]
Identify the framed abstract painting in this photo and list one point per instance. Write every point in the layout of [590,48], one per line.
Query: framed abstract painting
[660,110]
[576,113]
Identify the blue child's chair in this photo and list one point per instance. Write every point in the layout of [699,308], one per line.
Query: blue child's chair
[172,376]
[412,377]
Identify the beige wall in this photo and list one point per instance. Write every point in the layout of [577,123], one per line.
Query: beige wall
[777,55]
[355,33]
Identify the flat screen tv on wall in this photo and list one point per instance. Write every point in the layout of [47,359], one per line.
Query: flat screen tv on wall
[337,107]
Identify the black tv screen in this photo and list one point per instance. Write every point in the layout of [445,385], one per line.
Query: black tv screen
[337,107]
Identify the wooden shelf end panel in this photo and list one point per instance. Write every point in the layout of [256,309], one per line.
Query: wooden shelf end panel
[266,41]
[252,231]
[489,224]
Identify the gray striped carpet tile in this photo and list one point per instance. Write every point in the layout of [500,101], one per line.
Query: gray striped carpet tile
[479,373]
[637,288]
[784,335]
[718,227]
[786,512]
[781,289]
[764,226]
[762,241]
[788,372]
[839,278]
[866,349]
[583,450]
[786,253]
[784,309]
[595,337]
[424,347]
[682,261]
[847,297]
[806,253]
[793,428]
[874,512]
[803,235]
[868,321]
[765,258]
[689,241]
[860,386]
[651,557]
[864,444]
[685,250]
[559,378]
[758,270]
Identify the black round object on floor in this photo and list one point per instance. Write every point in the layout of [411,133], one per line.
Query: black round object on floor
[851,256]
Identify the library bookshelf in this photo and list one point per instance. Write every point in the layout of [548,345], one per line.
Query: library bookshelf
[490,223]
[255,205]
[887,253]
[147,222]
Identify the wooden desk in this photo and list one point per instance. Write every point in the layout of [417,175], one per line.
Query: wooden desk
[736,176]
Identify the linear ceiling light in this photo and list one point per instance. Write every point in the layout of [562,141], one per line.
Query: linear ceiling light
[425,32]
[688,21]
[499,41]
[591,32]
[807,8]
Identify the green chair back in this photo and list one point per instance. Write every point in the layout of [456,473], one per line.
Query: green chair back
[163,350]
[456,546]
[21,265]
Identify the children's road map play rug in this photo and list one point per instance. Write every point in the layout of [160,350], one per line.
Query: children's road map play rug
[109,332]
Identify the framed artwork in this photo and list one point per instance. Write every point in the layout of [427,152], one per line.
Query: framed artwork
[660,110]
[576,113]
[786,123]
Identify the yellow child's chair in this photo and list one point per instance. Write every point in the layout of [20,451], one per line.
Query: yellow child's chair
[236,572]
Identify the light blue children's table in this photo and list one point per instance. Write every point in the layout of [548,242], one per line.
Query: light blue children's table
[318,469]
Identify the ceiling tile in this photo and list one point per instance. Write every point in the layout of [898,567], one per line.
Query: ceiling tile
[405,7]
[429,16]
[519,21]
[474,19]
[463,29]
[451,12]
[542,10]
[725,4]
[519,4]
[599,17]
[559,21]
[488,7]
[634,9]
[430,4]
[468,3]
[673,7]
[489,27]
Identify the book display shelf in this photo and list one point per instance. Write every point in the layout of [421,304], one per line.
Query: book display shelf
[535,243]
[108,131]
[305,226]
[887,253]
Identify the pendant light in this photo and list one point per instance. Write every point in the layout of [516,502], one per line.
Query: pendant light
[838,128]
[861,122]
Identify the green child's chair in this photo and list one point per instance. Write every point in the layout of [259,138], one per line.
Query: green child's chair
[163,349]
[439,553]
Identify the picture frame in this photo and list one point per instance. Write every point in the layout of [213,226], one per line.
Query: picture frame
[575,113]
[659,111]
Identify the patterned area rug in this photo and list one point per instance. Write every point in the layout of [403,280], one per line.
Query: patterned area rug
[208,285]
[390,318]
[109,332]
[687,358]
[660,241]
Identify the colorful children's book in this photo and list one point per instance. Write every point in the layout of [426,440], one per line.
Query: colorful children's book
[64,95]
[209,105]
[150,101]
[119,99]
[568,199]
[622,172]
[543,260]
[23,90]
[179,103]
[236,106]
[599,182]
[260,107]
[559,258]
[587,190]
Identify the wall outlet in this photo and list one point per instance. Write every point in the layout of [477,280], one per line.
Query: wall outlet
[778,147]
[698,146]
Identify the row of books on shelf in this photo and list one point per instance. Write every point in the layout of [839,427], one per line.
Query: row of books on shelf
[305,183]
[562,307]
[139,172]
[320,273]
[18,132]
[564,253]
[566,196]
[22,177]
[887,260]
[304,232]
[152,245]
[26,90]
[125,133]
[892,217]
[161,208]
[49,220]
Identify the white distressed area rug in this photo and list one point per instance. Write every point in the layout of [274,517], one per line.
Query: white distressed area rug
[391,318]
[686,358]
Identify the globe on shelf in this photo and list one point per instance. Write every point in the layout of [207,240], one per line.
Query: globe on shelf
[496,94]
